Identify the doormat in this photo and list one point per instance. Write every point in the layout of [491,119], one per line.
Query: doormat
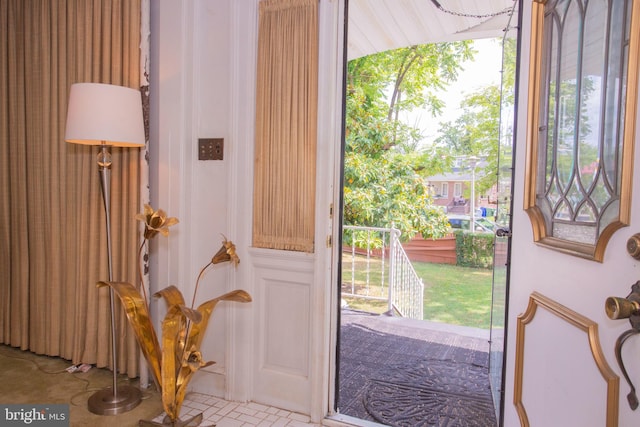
[431,393]
[412,376]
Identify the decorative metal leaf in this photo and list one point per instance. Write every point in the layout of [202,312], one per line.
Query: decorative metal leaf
[197,330]
[191,314]
[171,295]
[196,333]
[171,327]
[135,308]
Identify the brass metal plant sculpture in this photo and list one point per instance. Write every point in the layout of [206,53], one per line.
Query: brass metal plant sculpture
[173,362]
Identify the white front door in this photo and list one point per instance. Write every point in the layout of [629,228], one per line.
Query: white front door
[562,378]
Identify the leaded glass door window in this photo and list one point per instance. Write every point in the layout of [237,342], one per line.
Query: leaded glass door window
[582,90]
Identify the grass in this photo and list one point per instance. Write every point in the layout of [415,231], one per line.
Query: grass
[452,294]
[456,295]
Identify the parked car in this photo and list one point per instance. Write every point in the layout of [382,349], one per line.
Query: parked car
[463,222]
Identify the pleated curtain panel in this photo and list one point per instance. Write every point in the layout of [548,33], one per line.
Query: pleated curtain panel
[52,239]
[286,125]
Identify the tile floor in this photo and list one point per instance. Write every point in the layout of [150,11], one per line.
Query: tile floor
[233,414]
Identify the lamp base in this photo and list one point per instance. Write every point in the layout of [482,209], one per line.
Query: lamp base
[103,402]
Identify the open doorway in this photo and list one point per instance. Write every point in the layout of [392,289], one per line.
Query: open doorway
[396,368]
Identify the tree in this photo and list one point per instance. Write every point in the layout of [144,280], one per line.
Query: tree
[384,169]
[476,131]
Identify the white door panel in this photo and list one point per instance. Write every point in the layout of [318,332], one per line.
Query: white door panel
[282,300]
[561,385]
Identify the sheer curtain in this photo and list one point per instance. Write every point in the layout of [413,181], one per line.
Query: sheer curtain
[286,125]
[52,244]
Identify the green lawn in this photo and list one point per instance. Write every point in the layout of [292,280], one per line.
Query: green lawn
[452,294]
[456,295]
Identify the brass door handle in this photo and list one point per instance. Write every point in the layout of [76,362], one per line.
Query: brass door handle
[621,308]
[626,308]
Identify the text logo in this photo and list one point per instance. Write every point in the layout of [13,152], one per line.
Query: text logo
[54,415]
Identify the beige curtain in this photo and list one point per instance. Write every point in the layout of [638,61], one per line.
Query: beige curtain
[286,125]
[52,241]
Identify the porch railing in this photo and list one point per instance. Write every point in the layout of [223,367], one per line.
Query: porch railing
[375,266]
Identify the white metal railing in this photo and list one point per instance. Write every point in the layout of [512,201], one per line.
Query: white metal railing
[375,266]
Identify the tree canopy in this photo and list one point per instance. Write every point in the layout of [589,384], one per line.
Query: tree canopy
[384,169]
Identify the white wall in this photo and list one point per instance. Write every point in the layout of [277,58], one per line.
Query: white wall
[276,349]
[191,99]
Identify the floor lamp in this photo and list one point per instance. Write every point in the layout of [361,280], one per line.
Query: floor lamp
[107,116]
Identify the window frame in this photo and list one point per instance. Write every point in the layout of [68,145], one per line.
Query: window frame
[538,88]
[457,189]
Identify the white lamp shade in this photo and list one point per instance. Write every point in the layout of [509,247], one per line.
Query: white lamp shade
[104,114]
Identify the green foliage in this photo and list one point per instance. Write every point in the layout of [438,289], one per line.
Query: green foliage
[476,131]
[365,239]
[390,193]
[383,172]
[474,249]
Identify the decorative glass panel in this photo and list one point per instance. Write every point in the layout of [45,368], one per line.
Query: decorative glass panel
[583,91]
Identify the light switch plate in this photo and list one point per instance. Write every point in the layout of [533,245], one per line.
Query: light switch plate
[211,149]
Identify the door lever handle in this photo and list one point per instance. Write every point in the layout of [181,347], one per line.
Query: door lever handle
[626,308]
[503,232]
[632,398]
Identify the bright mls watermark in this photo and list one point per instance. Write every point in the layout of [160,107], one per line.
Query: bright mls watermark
[53,415]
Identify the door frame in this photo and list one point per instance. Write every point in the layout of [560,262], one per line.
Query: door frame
[500,414]
[340,32]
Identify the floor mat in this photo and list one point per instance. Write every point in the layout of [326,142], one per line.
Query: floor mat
[430,393]
[412,377]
